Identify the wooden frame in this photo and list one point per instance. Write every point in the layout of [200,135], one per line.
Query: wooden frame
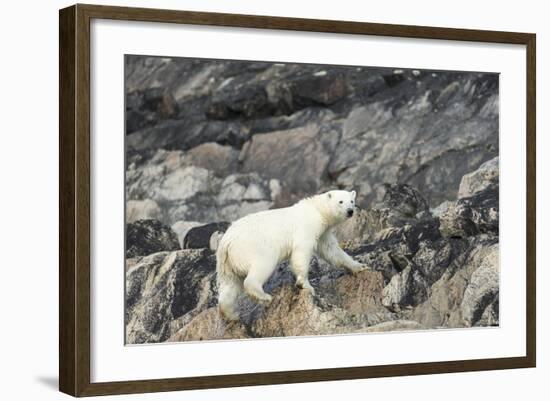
[74,199]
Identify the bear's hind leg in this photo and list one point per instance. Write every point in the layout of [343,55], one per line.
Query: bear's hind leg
[254,281]
[228,293]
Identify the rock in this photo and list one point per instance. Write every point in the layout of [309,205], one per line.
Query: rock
[321,88]
[484,177]
[299,157]
[165,291]
[242,194]
[215,239]
[199,237]
[395,325]
[490,316]
[293,312]
[439,126]
[142,210]
[131,262]
[476,214]
[186,134]
[251,101]
[441,208]
[192,193]
[146,107]
[182,227]
[436,137]
[221,160]
[482,290]
[182,192]
[460,297]
[209,325]
[144,237]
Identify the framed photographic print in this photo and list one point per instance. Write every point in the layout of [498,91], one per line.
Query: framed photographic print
[250,200]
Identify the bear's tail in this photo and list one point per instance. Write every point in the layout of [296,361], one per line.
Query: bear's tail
[229,283]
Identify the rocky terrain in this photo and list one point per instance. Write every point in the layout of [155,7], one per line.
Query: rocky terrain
[210,141]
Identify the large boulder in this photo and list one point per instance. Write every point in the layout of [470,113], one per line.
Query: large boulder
[467,292]
[144,237]
[165,291]
[220,159]
[199,237]
[473,215]
[191,193]
[299,157]
[484,177]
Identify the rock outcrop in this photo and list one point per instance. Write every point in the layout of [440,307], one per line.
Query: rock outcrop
[420,277]
[192,124]
[144,237]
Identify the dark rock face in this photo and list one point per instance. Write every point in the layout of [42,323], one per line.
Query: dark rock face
[144,237]
[313,127]
[199,237]
[473,215]
[145,108]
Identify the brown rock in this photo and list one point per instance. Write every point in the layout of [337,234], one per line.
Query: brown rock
[209,325]
[220,159]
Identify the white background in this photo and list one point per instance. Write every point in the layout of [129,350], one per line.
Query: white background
[111,361]
[28,158]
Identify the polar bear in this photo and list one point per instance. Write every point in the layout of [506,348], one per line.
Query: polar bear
[253,246]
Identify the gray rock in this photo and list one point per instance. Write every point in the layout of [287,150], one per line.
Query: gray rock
[144,237]
[242,194]
[482,290]
[147,107]
[485,176]
[142,210]
[221,160]
[476,214]
[450,303]
[190,193]
[429,139]
[298,157]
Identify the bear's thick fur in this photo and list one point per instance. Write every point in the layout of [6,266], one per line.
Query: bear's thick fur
[254,245]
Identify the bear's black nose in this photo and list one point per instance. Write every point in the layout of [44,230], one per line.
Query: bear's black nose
[350,212]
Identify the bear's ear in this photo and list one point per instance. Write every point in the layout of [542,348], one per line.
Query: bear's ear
[353,193]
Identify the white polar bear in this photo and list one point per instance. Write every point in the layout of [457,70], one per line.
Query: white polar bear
[253,246]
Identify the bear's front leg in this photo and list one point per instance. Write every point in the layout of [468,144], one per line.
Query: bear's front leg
[299,264]
[330,251]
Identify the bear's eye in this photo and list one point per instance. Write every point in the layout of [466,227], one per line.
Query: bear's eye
[352,202]
[341,201]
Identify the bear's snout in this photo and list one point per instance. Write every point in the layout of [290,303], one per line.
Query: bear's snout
[350,212]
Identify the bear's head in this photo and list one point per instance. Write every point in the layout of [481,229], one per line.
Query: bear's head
[341,205]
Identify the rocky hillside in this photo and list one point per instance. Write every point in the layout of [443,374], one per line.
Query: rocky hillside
[429,268]
[209,141]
